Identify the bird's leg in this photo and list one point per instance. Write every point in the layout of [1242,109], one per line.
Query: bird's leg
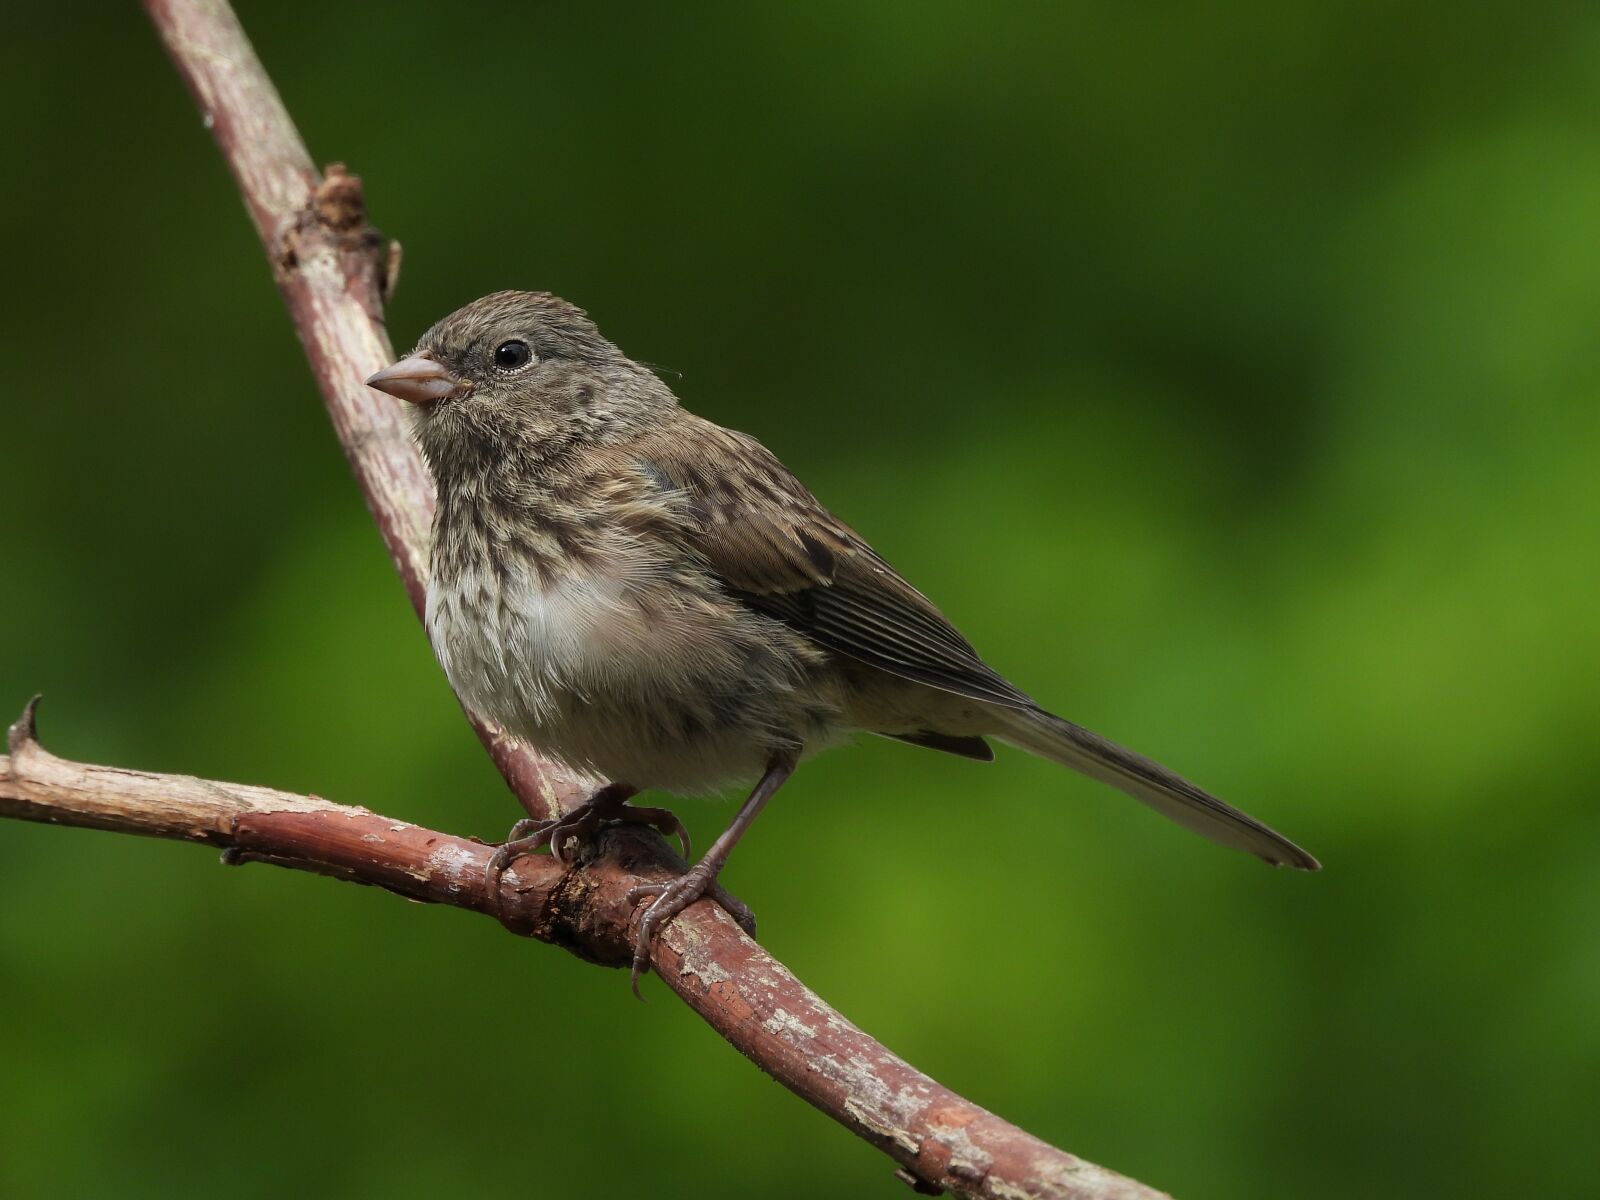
[606,807]
[672,897]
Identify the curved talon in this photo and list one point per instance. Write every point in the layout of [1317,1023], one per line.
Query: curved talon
[640,890]
[671,898]
[641,942]
[641,964]
[578,823]
[521,842]
[664,821]
[523,828]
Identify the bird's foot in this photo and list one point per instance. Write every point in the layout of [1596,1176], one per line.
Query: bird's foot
[671,898]
[606,808]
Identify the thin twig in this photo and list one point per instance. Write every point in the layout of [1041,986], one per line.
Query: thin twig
[333,271]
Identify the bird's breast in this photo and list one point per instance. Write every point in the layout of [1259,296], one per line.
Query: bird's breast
[512,639]
[632,665]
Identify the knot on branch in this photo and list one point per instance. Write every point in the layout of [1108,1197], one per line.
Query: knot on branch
[339,201]
[335,218]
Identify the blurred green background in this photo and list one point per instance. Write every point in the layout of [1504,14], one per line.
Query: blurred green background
[1228,374]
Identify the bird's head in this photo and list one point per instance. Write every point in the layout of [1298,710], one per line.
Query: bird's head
[519,374]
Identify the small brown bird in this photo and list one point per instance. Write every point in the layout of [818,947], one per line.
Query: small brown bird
[656,600]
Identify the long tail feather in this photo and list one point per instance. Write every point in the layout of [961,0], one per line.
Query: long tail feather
[1149,782]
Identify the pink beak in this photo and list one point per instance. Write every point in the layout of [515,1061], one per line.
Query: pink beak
[417,380]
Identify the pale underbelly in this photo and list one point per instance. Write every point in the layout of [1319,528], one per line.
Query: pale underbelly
[633,686]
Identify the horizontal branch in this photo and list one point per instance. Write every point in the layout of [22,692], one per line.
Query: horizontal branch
[940,1139]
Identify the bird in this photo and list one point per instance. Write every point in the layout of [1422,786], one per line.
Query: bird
[658,602]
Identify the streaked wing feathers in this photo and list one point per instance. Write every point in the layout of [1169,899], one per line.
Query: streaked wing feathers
[784,554]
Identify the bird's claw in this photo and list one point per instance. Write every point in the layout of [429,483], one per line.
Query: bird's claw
[606,808]
[526,836]
[671,898]
[583,823]
[664,821]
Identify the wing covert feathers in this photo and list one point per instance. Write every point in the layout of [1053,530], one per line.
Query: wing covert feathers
[782,553]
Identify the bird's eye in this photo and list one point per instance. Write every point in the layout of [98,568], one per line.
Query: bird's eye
[511,355]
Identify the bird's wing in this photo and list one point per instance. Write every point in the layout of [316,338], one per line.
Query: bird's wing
[777,549]
[774,547]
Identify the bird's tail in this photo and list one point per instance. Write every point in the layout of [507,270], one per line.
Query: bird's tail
[1038,732]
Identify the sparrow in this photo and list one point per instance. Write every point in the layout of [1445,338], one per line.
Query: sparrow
[656,601]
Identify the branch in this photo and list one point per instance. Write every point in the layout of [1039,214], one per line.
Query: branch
[744,993]
[334,271]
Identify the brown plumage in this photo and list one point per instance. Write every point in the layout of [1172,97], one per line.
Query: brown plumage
[657,600]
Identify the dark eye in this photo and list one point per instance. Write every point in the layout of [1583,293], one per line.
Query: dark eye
[511,355]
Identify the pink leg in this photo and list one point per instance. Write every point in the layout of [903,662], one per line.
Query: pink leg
[677,894]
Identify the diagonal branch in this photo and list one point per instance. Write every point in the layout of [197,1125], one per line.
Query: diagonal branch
[333,270]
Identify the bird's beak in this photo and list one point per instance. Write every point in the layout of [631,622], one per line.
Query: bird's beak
[417,380]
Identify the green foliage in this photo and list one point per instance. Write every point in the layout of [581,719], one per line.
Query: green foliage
[1229,376]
